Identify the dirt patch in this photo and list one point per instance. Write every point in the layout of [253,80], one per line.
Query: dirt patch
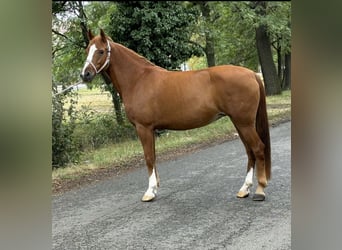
[60,186]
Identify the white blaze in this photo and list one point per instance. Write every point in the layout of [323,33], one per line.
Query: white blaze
[92,50]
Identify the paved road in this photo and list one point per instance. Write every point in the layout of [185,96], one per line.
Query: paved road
[196,206]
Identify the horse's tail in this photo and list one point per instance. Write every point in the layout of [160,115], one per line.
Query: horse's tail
[262,127]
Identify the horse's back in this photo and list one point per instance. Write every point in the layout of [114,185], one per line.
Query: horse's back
[226,78]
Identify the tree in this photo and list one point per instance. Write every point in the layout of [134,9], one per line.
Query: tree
[274,25]
[208,21]
[269,72]
[279,15]
[269,20]
[235,36]
[159,31]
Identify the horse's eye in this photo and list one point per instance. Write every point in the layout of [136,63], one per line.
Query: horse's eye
[101,52]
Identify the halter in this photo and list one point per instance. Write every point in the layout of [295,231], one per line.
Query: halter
[105,64]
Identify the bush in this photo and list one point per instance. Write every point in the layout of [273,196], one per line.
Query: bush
[76,131]
[64,149]
[95,130]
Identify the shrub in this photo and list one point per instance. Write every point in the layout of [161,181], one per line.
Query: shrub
[64,149]
[76,131]
[94,130]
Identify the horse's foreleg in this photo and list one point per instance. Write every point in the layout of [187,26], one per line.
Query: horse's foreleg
[147,139]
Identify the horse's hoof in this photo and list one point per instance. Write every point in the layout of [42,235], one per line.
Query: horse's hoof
[146,198]
[242,194]
[258,197]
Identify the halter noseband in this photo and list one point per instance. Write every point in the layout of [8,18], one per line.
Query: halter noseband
[105,64]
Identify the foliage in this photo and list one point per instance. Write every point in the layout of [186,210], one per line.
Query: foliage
[99,14]
[67,43]
[196,63]
[160,31]
[64,148]
[95,130]
[236,42]
[76,131]
[238,21]
[232,26]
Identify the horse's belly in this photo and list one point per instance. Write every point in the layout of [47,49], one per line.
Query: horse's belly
[189,121]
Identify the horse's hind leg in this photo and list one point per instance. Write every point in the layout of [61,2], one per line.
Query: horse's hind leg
[245,189]
[147,139]
[253,141]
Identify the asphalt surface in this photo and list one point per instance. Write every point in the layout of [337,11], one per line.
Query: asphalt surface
[196,207]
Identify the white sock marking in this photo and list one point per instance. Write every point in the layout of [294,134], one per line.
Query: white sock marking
[248,181]
[152,185]
[249,177]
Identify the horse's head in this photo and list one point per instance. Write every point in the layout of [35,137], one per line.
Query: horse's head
[98,56]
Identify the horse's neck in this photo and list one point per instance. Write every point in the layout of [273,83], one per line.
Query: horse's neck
[126,68]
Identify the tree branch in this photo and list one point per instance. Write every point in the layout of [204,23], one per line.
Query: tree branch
[60,34]
[55,51]
[67,38]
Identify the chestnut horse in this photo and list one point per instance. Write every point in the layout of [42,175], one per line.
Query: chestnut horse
[155,98]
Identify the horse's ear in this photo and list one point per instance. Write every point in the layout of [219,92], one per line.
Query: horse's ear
[90,35]
[103,36]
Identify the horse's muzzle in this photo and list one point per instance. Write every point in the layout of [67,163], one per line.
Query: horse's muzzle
[87,76]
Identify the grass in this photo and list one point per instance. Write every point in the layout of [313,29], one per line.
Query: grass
[279,108]
[119,153]
[95,99]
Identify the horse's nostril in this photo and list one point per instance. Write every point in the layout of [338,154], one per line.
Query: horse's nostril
[86,76]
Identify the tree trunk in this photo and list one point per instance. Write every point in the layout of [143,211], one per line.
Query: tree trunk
[263,44]
[210,50]
[287,72]
[115,99]
[209,39]
[272,82]
[279,62]
[82,16]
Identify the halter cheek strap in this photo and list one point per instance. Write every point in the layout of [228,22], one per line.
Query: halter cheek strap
[106,62]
